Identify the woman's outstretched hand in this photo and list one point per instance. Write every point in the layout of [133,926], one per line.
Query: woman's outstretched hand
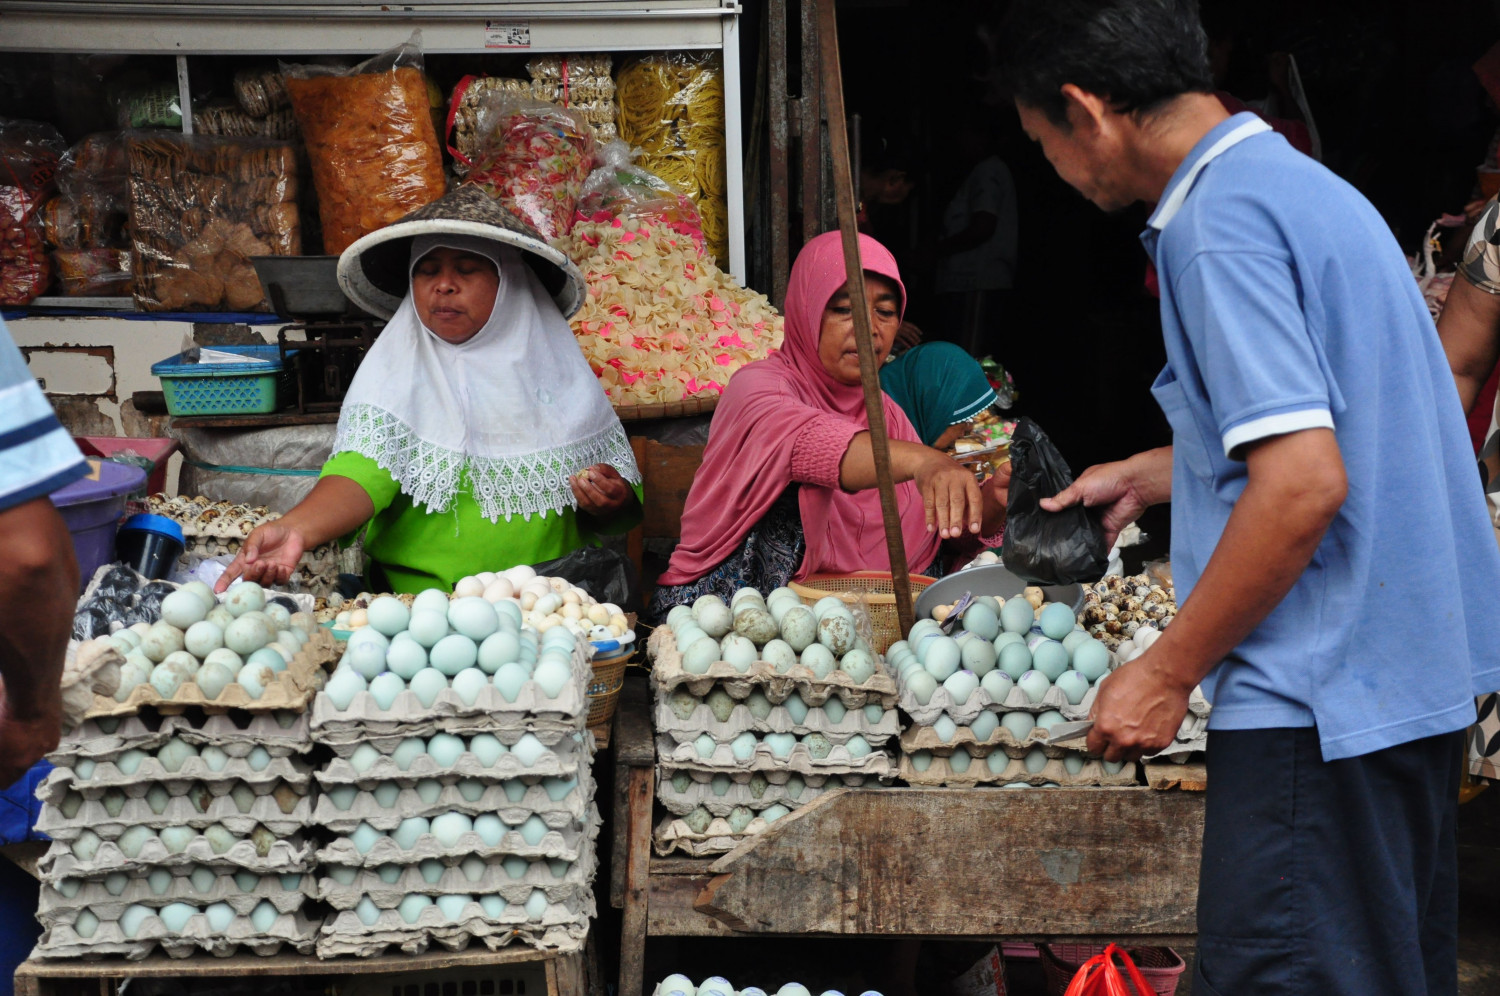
[950,496]
[268,556]
[600,490]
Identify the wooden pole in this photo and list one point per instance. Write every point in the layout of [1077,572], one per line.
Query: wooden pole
[869,375]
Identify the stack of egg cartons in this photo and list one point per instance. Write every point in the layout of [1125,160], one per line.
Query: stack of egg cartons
[459,803]
[179,823]
[761,706]
[984,700]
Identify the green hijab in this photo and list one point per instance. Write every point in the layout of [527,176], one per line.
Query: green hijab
[938,385]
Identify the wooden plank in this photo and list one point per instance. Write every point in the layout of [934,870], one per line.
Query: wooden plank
[634,745]
[273,420]
[1087,862]
[683,866]
[667,473]
[635,540]
[565,976]
[672,914]
[1191,776]
[780,145]
[159,966]
[633,927]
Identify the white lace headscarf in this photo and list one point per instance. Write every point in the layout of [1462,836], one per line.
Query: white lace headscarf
[509,414]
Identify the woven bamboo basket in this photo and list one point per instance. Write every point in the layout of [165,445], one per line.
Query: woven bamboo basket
[604,687]
[879,593]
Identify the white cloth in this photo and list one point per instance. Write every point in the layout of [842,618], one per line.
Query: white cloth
[509,414]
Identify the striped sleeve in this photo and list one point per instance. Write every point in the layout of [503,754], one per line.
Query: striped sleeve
[37,456]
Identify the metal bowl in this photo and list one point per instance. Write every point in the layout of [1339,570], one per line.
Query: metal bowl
[991,579]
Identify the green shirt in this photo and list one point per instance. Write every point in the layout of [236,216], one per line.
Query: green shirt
[418,549]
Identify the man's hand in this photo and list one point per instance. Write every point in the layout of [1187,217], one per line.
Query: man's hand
[1138,709]
[1124,489]
[269,556]
[600,490]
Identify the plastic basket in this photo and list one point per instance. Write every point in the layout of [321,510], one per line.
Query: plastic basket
[879,594]
[1161,967]
[249,388]
[605,685]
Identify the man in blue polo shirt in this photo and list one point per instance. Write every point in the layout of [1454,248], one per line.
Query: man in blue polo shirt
[1332,556]
[38,570]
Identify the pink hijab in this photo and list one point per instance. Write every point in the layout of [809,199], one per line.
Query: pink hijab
[765,408]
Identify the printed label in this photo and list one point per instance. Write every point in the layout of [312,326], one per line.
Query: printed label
[507,34]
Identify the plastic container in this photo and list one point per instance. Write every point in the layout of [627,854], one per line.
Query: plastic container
[92,510]
[249,388]
[155,449]
[150,545]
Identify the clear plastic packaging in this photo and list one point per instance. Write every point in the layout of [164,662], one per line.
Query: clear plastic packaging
[94,272]
[672,107]
[370,139]
[534,157]
[29,153]
[621,188]
[201,206]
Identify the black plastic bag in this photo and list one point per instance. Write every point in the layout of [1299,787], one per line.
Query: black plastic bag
[1040,546]
[607,575]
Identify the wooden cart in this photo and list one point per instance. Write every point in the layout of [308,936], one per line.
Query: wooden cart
[566,975]
[1083,864]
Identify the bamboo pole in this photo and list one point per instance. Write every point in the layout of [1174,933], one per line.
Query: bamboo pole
[845,197]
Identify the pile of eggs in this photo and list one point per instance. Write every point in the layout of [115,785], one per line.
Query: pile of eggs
[543,603]
[176,916]
[1001,646]
[246,640]
[1117,608]
[681,985]
[776,628]
[831,713]
[464,643]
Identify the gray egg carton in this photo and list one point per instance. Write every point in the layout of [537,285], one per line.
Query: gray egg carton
[263,730]
[131,732]
[562,928]
[779,720]
[564,759]
[220,730]
[106,775]
[979,701]
[293,930]
[287,855]
[939,772]
[667,674]
[574,884]
[488,713]
[198,811]
[674,834]
[556,813]
[675,756]
[740,793]
[566,843]
[55,908]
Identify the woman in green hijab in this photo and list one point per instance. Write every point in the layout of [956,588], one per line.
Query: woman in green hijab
[940,387]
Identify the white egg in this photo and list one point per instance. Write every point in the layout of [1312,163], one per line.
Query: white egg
[468,587]
[384,688]
[449,827]
[489,828]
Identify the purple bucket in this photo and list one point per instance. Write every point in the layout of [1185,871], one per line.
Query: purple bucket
[93,509]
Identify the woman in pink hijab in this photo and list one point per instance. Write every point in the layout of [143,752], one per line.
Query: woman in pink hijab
[787,488]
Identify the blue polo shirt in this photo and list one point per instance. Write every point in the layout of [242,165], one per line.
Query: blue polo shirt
[37,456]
[1287,305]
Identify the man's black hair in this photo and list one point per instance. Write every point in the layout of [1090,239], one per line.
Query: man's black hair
[1137,54]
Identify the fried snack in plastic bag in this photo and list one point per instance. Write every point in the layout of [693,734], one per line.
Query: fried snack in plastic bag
[534,157]
[92,208]
[370,138]
[620,188]
[660,322]
[94,272]
[672,107]
[201,206]
[29,153]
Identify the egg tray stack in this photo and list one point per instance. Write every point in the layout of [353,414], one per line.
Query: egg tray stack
[429,844]
[983,725]
[741,744]
[180,832]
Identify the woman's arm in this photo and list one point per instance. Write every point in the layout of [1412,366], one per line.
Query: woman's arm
[335,507]
[1470,330]
[950,494]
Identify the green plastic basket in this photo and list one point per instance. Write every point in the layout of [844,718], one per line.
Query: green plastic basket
[250,388]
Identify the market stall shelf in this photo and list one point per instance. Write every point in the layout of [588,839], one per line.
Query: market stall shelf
[565,973]
[1016,865]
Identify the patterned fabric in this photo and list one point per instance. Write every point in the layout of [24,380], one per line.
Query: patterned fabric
[1481,263]
[765,560]
[1484,739]
[37,456]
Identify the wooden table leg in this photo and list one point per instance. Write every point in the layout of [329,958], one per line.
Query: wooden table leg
[565,976]
[642,794]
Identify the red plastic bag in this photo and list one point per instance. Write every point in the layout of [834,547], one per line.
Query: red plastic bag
[1100,976]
